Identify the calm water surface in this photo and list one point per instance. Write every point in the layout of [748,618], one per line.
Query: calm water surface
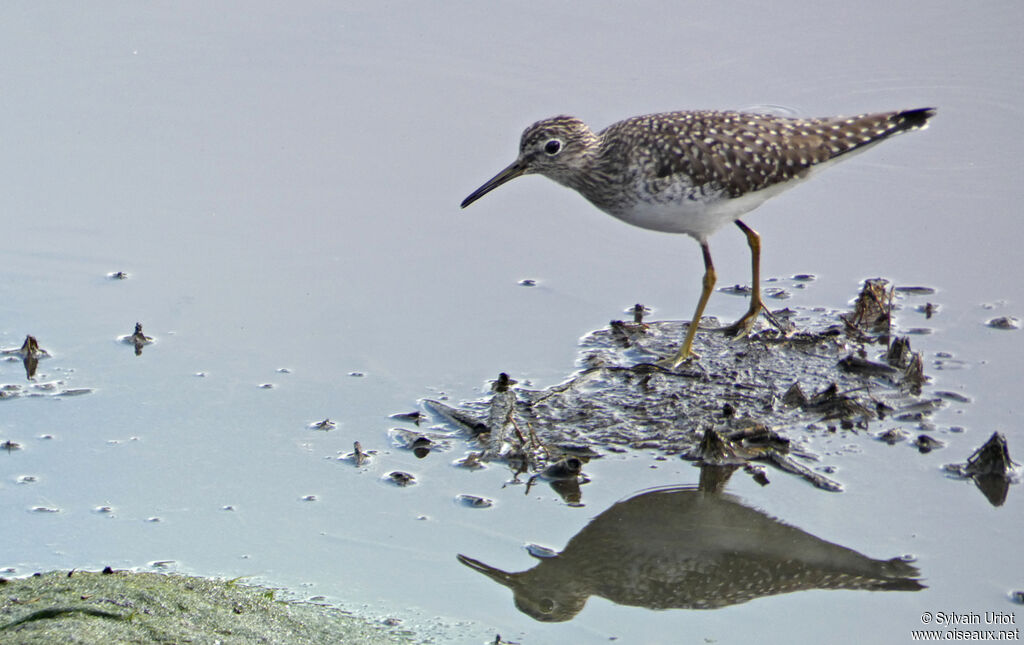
[282,187]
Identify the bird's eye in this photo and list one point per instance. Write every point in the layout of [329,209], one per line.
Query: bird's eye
[552,147]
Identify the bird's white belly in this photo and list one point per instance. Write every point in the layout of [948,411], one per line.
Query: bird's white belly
[698,219]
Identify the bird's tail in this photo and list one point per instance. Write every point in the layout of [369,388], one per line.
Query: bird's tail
[914,119]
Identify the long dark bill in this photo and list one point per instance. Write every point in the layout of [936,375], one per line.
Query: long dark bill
[508,174]
[496,575]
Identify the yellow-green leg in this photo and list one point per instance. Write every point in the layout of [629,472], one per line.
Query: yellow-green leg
[743,326]
[685,351]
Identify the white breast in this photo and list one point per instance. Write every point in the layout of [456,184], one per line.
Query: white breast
[696,218]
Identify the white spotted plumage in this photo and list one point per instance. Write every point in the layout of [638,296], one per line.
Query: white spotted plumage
[692,172]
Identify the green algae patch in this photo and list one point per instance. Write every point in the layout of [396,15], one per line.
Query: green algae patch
[126,607]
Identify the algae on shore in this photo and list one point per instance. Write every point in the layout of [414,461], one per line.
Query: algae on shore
[124,607]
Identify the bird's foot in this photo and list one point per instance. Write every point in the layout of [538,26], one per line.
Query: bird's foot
[743,326]
[681,358]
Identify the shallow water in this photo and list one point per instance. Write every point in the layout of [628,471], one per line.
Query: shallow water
[282,188]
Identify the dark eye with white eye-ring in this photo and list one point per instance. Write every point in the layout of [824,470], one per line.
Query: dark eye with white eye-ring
[553,147]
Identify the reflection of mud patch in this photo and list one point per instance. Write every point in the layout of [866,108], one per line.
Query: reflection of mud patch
[839,372]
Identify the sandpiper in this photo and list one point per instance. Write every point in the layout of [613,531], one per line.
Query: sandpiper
[694,171]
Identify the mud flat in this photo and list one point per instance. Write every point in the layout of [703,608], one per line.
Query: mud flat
[113,607]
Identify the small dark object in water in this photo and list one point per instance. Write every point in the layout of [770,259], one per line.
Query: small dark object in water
[118,275]
[399,478]
[916,291]
[473,426]
[527,282]
[502,383]
[1017,597]
[991,469]
[138,336]
[30,353]
[757,473]
[30,347]
[565,468]
[893,436]
[953,396]
[413,417]
[10,446]
[325,425]
[638,313]
[993,458]
[1004,322]
[473,501]
[138,339]
[420,447]
[358,456]
[926,444]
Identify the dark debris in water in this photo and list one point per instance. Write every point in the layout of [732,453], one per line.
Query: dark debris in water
[760,399]
[326,425]
[399,478]
[137,339]
[474,501]
[412,417]
[1004,322]
[991,469]
[358,456]
[30,353]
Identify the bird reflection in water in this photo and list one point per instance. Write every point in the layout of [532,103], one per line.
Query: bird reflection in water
[685,548]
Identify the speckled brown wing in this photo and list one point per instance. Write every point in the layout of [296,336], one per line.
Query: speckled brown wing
[740,153]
